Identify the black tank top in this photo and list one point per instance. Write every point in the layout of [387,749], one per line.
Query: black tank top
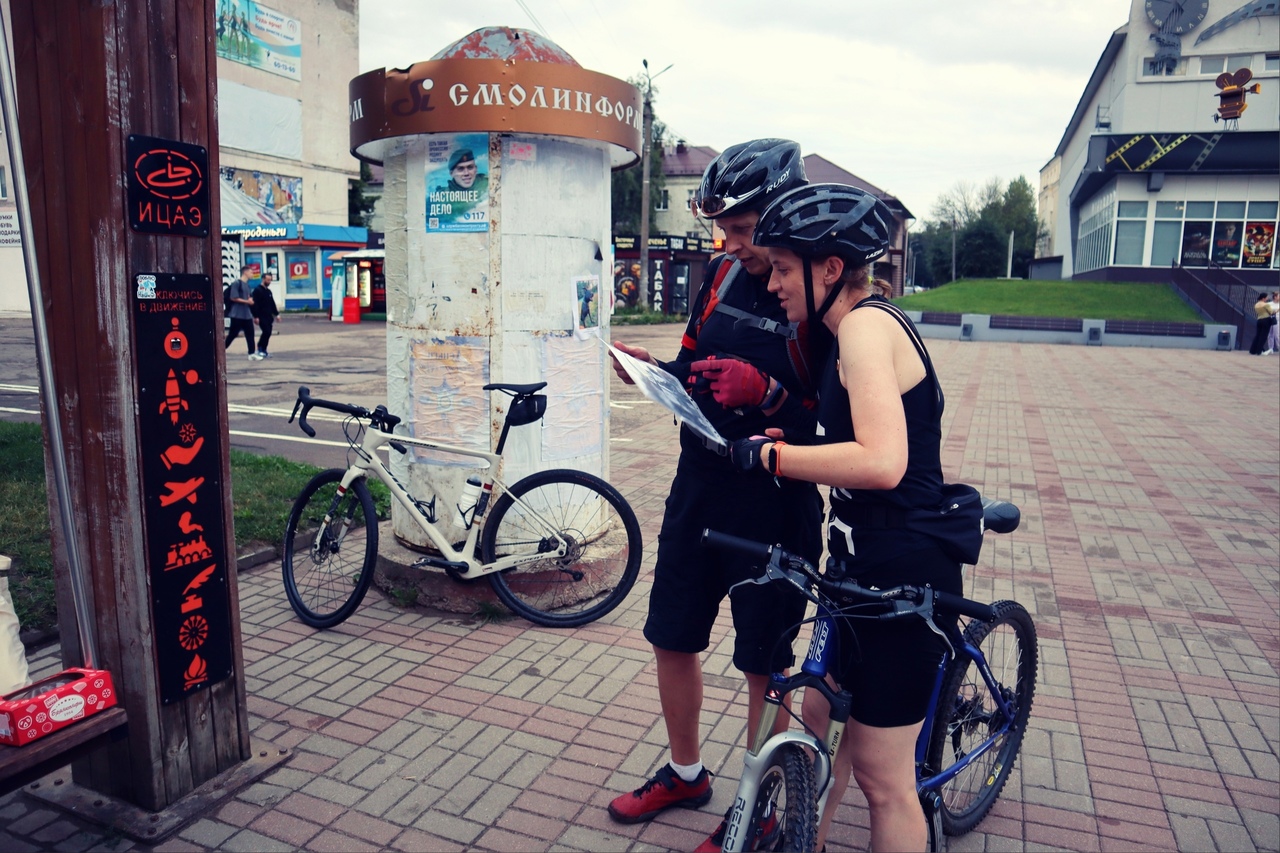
[921,485]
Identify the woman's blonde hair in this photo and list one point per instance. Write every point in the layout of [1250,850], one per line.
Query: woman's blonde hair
[863,278]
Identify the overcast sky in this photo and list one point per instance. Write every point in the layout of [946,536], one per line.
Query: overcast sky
[912,96]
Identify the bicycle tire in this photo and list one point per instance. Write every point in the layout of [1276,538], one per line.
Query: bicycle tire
[326,578]
[604,539]
[786,790]
[966,716]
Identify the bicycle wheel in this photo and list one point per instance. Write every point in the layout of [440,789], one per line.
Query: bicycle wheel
[786,812]
[604,547]
[330,547]
[966,716]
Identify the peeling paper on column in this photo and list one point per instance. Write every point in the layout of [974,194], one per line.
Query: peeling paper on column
[449,405]
[574,423]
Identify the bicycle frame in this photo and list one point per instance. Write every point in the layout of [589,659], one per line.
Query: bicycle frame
[463,561]
[813,674]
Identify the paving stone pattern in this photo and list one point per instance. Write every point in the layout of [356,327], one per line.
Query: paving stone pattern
[1149,556]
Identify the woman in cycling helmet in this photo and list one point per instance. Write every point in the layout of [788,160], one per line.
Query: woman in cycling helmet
[879,413]
[749,369]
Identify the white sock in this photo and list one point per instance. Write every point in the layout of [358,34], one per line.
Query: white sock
[687,772]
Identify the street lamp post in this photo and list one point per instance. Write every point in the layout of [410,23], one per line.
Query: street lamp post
[645,144]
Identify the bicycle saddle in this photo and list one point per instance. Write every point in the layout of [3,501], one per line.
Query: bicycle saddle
[517,390]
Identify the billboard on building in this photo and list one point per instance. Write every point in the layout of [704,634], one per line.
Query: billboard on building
[1226,243]
[255,35]
[1195,244]
[1259,244]
[273,198]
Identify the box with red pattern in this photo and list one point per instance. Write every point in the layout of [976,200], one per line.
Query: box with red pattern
[54,703]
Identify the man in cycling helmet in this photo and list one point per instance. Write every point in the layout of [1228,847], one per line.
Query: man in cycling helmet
[880,409]
[749,369]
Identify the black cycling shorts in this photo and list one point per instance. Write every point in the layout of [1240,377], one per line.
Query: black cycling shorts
[890,665]
[690,580]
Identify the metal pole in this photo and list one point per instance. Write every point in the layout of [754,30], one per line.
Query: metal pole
[1008,273]
[644,193]
[953,248]
[8,93]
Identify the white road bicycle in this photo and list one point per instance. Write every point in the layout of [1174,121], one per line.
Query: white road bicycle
[560,547]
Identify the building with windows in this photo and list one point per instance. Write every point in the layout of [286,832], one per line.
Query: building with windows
[283,69]
[1172,155]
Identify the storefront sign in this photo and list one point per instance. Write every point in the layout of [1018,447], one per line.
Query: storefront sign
[9,234]
[254,35]
[176,345]
[168,186]
[471,95]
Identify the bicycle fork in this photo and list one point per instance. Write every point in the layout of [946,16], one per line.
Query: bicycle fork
[747,811]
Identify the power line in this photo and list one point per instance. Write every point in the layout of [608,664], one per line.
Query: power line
[537,25]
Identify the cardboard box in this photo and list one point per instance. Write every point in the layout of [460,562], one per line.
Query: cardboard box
[54,703]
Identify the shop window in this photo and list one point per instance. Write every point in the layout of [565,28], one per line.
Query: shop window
[1132,210]
[4,184]
[1263,209]
[1166,238]
[1200,210]
[1169,209]
[1231,210]
[1130,237]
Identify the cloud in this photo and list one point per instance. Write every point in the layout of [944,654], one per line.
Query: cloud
[911,96]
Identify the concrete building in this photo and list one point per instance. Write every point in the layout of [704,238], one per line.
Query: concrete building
[1153,171]
[283,69]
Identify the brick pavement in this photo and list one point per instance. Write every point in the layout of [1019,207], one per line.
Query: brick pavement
[1149,555]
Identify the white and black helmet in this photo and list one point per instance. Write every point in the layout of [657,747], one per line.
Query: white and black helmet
[818,220]
[747,177]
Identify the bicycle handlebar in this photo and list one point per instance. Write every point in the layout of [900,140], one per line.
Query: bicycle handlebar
[781,564]
[379,417]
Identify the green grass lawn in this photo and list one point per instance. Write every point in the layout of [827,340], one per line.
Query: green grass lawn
[262,493]
[1091,300]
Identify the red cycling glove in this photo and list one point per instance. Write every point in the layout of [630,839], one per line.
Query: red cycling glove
[734,383]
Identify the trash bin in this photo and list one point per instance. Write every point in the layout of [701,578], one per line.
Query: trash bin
[351,309]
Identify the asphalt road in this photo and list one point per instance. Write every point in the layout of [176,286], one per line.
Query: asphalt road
[338,361]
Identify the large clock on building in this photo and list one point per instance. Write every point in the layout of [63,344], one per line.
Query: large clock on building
[1176,16]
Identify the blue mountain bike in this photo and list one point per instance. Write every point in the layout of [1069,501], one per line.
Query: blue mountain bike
[980,705]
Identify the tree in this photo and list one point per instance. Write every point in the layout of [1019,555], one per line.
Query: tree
[983,216]
[626,183]
[360,206]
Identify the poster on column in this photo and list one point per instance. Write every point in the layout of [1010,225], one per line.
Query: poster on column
[178,414]
[457,180]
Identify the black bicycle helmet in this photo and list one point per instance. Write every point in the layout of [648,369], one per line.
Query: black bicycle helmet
[747,177]
[819,220]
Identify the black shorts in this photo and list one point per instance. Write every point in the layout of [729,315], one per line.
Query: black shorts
[690,581]
[890,666]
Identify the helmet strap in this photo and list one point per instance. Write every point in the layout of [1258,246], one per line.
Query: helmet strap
[815,316]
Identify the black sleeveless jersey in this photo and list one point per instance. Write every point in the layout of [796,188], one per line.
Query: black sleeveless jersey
[921,485]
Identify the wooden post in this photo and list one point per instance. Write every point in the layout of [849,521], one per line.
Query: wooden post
[91,75]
